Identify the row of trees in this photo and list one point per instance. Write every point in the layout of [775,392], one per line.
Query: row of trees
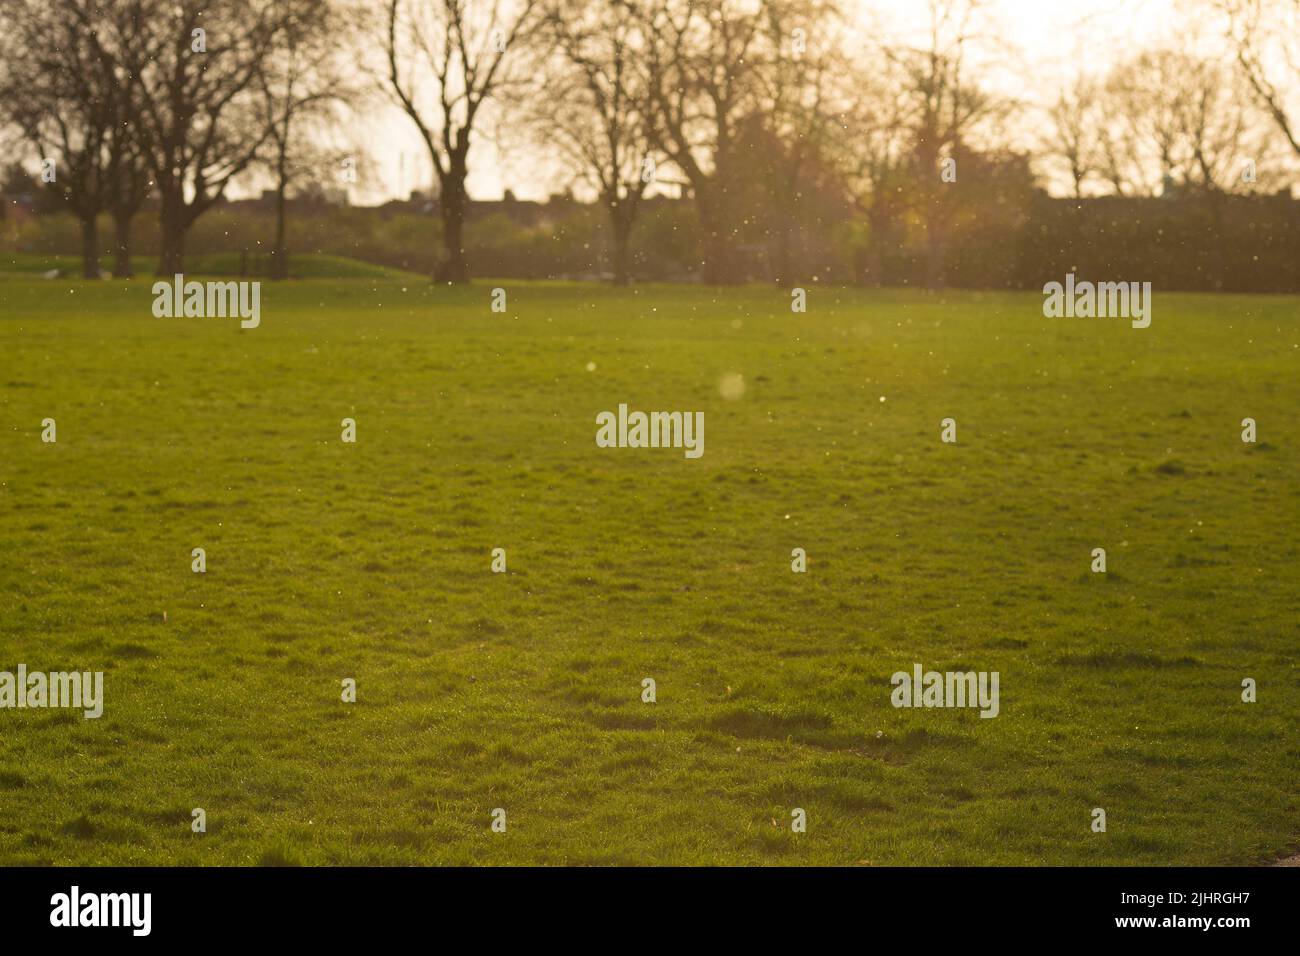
[174,98]
[765,113]
[762,109]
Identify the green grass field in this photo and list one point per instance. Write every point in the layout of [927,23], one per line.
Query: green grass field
[522,690]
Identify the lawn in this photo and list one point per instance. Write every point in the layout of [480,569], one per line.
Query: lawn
[522,690]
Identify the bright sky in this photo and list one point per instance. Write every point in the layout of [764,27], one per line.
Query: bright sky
[1031,47]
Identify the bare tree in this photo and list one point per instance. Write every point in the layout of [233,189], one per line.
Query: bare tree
[61,87]
[1266,37]
[701,60]
[1120,161]
[1176,121]
[946,106]
[56,89]
[873,150]
[446,59]
[302,90]
[1142,98]
[193,66]
[1189,128]
[592,110]
[129,185]
[798,86]
[1075,140]
[1225,135]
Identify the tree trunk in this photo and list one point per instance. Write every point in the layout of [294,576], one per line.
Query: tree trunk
[932,205]
[122,245]
[720,265]
[871,264]
[280,251]
[171,261]
[787,206]
[715,269]
[89,248]
[622,239]
[935,256]
[783,268]
[454,268]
